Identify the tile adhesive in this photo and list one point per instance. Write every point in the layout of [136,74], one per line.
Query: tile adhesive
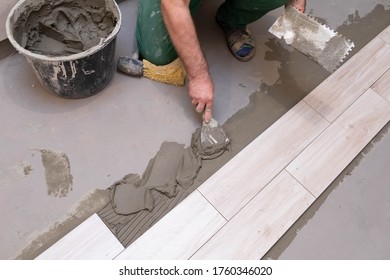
[69,44]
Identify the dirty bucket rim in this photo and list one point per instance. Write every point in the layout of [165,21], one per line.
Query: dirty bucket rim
[76,56]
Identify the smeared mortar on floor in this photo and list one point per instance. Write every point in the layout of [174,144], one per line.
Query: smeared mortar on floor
[57,172]
[165,182]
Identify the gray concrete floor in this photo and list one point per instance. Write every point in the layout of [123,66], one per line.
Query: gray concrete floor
[119,130]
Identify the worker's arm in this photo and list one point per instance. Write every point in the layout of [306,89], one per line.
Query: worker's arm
[181,29]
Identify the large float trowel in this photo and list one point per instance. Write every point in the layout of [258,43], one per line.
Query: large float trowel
[313,39]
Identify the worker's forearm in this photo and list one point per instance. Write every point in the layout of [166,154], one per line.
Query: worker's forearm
[181,29]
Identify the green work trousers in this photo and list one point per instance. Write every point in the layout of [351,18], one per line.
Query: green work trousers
[153,40]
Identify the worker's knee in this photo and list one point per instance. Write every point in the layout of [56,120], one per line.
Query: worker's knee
[153,40]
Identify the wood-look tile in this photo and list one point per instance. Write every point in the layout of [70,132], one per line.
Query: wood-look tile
[333,96]
[91,240]
[333,150]
[256,228]
[238,181]
[385,35]
[382,86]
[178,234]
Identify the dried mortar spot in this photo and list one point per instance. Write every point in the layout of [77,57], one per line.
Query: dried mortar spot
[57,172]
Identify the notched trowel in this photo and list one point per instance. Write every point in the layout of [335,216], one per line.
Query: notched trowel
[313,39]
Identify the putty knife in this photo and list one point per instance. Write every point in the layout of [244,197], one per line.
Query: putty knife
[212,136]
[313,39]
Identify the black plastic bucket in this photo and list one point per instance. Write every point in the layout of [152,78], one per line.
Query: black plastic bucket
[75,75]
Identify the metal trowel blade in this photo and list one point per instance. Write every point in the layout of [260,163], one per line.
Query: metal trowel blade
[313,39]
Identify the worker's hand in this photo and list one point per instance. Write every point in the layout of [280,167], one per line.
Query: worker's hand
[178,21]
[201,90]
[299,4]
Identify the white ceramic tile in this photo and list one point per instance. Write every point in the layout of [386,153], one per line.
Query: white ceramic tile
[256,228]
[333,150]
[333,96]
[91,240]
[231,187]
[178,234]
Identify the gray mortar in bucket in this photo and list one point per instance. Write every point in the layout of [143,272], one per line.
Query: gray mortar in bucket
[70,45]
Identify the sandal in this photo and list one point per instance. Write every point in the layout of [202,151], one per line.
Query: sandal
[239,40]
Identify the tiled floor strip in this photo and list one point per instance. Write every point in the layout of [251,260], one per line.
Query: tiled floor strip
[329,154]
[244,176]
[257,227]
[246,206]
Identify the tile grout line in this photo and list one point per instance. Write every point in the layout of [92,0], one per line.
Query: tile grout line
[258,193]
[227,221]
[342,72]
[384,99]
[380,95]
[383,95]
[307,207]
[321,125]
[212,205]
[267,184]
[263,205]
[303,186]
[380,77]
[364,91]
[330,122]
[283,168]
